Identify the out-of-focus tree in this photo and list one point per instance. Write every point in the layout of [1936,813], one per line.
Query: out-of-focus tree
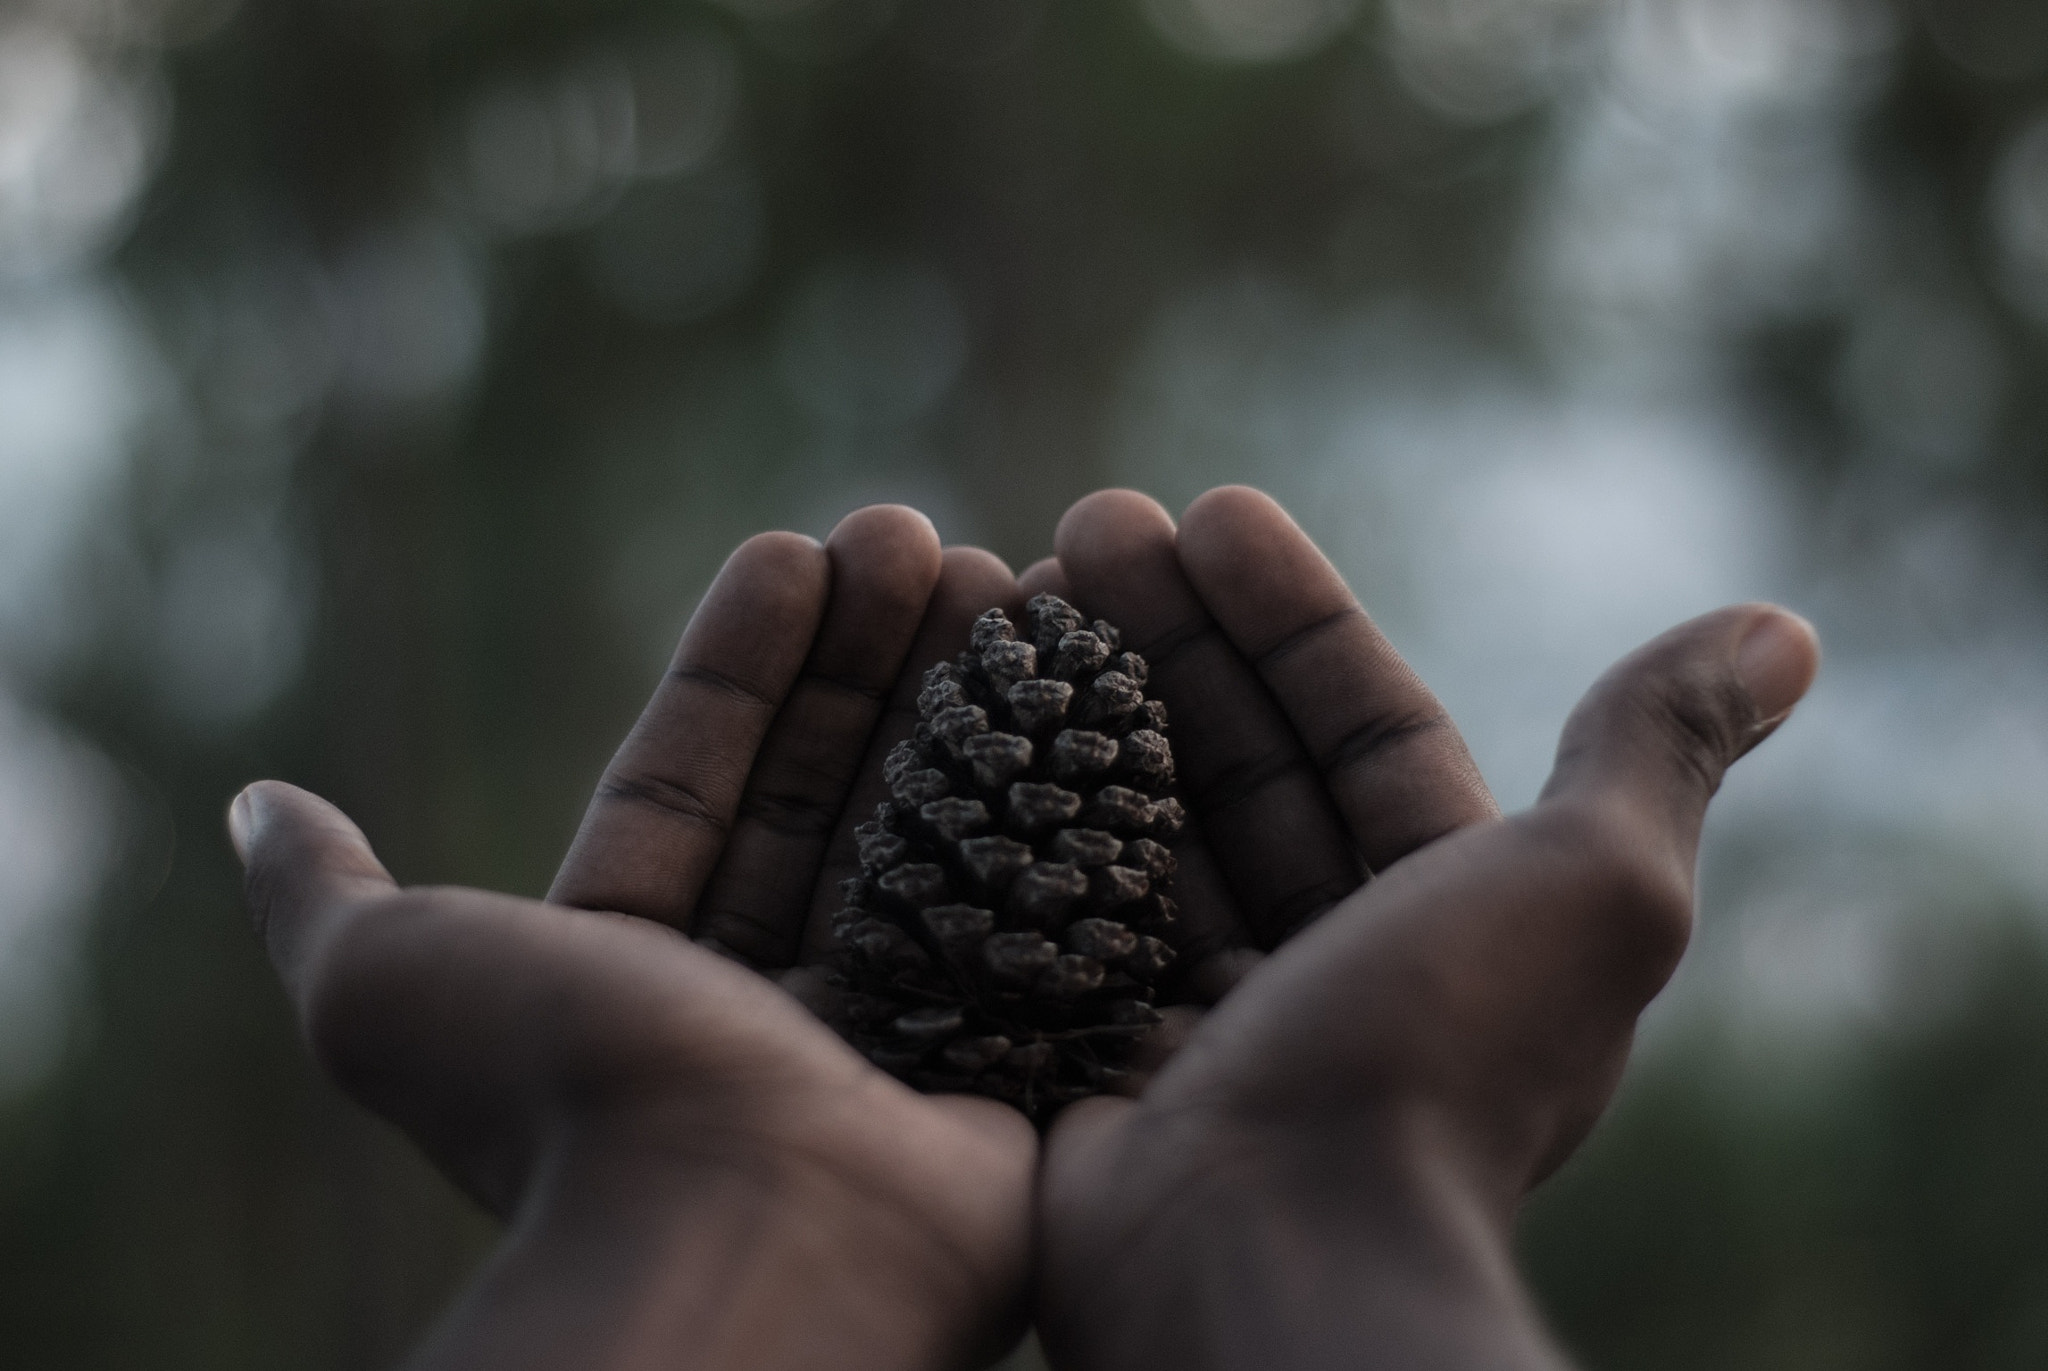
[1884,1213]
[454,343]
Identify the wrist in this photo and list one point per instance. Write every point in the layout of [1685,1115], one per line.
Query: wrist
[1362,1246]
[639,1251]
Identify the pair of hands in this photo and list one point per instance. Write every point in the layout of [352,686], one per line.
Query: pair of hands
[1325,1167]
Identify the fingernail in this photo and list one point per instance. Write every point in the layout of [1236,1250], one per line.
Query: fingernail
[1776,662]
[241,825]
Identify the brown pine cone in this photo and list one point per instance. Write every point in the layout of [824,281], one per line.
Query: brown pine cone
[1005,935]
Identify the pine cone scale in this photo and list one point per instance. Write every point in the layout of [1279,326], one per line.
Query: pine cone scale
[1003,937]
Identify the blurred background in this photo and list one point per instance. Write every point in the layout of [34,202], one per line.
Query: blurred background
[381,383]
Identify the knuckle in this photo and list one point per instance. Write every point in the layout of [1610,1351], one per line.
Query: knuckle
[1309,636]
[263,890]
[674,797]
[1650,909]
[346,997]
[1374,741]
[726,684]
[744,935]
[1697,716]
[1636,897]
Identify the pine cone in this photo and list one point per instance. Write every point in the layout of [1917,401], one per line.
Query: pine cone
[1004,936]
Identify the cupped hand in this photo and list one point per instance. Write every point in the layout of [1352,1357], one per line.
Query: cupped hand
[1327,1172]
[696,1171]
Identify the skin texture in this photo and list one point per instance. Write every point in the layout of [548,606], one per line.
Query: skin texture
[1369,1076]
[1327,1172]
[694,1170]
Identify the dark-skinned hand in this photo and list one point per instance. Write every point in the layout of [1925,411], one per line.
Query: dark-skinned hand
[1326,1173]
[697,1172]
[694,1170]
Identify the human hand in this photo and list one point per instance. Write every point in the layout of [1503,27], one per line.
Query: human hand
[694,1169]
[1327,1173]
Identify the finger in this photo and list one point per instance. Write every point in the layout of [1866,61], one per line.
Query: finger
[1650,741]
[1078,1145]
[313,883]
[1502,970]
[661,814]
[971,582]
[1088,1142]
[1209,938]
[1262,808]
[885,561]
[304,866]
[1384,746]
[1177,1023]
[1045,577]
[1586,900]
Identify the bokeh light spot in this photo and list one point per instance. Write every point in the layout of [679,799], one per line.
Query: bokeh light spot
[544,152]
[76,145]
[411,312]
[231,621]
[1478,61]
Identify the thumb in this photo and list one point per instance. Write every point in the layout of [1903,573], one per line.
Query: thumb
[305,866]
[1649,743]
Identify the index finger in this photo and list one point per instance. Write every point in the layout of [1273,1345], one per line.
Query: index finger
[665,806]
[1393,761]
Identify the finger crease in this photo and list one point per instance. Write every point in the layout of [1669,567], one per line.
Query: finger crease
[795,816]
[1237,782]
[723,683]
[831,778]
[1304,636]
[1295,910]
[1695,724]
[1375,738]
[671,797]
[851,685]
[1160,651]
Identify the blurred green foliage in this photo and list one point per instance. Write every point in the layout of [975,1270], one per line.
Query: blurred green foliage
[492,529]
[1882,1211]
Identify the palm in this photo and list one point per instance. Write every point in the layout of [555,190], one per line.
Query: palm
[1308,752]
[602,1008]
[1309,755]
[796,740]
[500,1032]
[1341,1143]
